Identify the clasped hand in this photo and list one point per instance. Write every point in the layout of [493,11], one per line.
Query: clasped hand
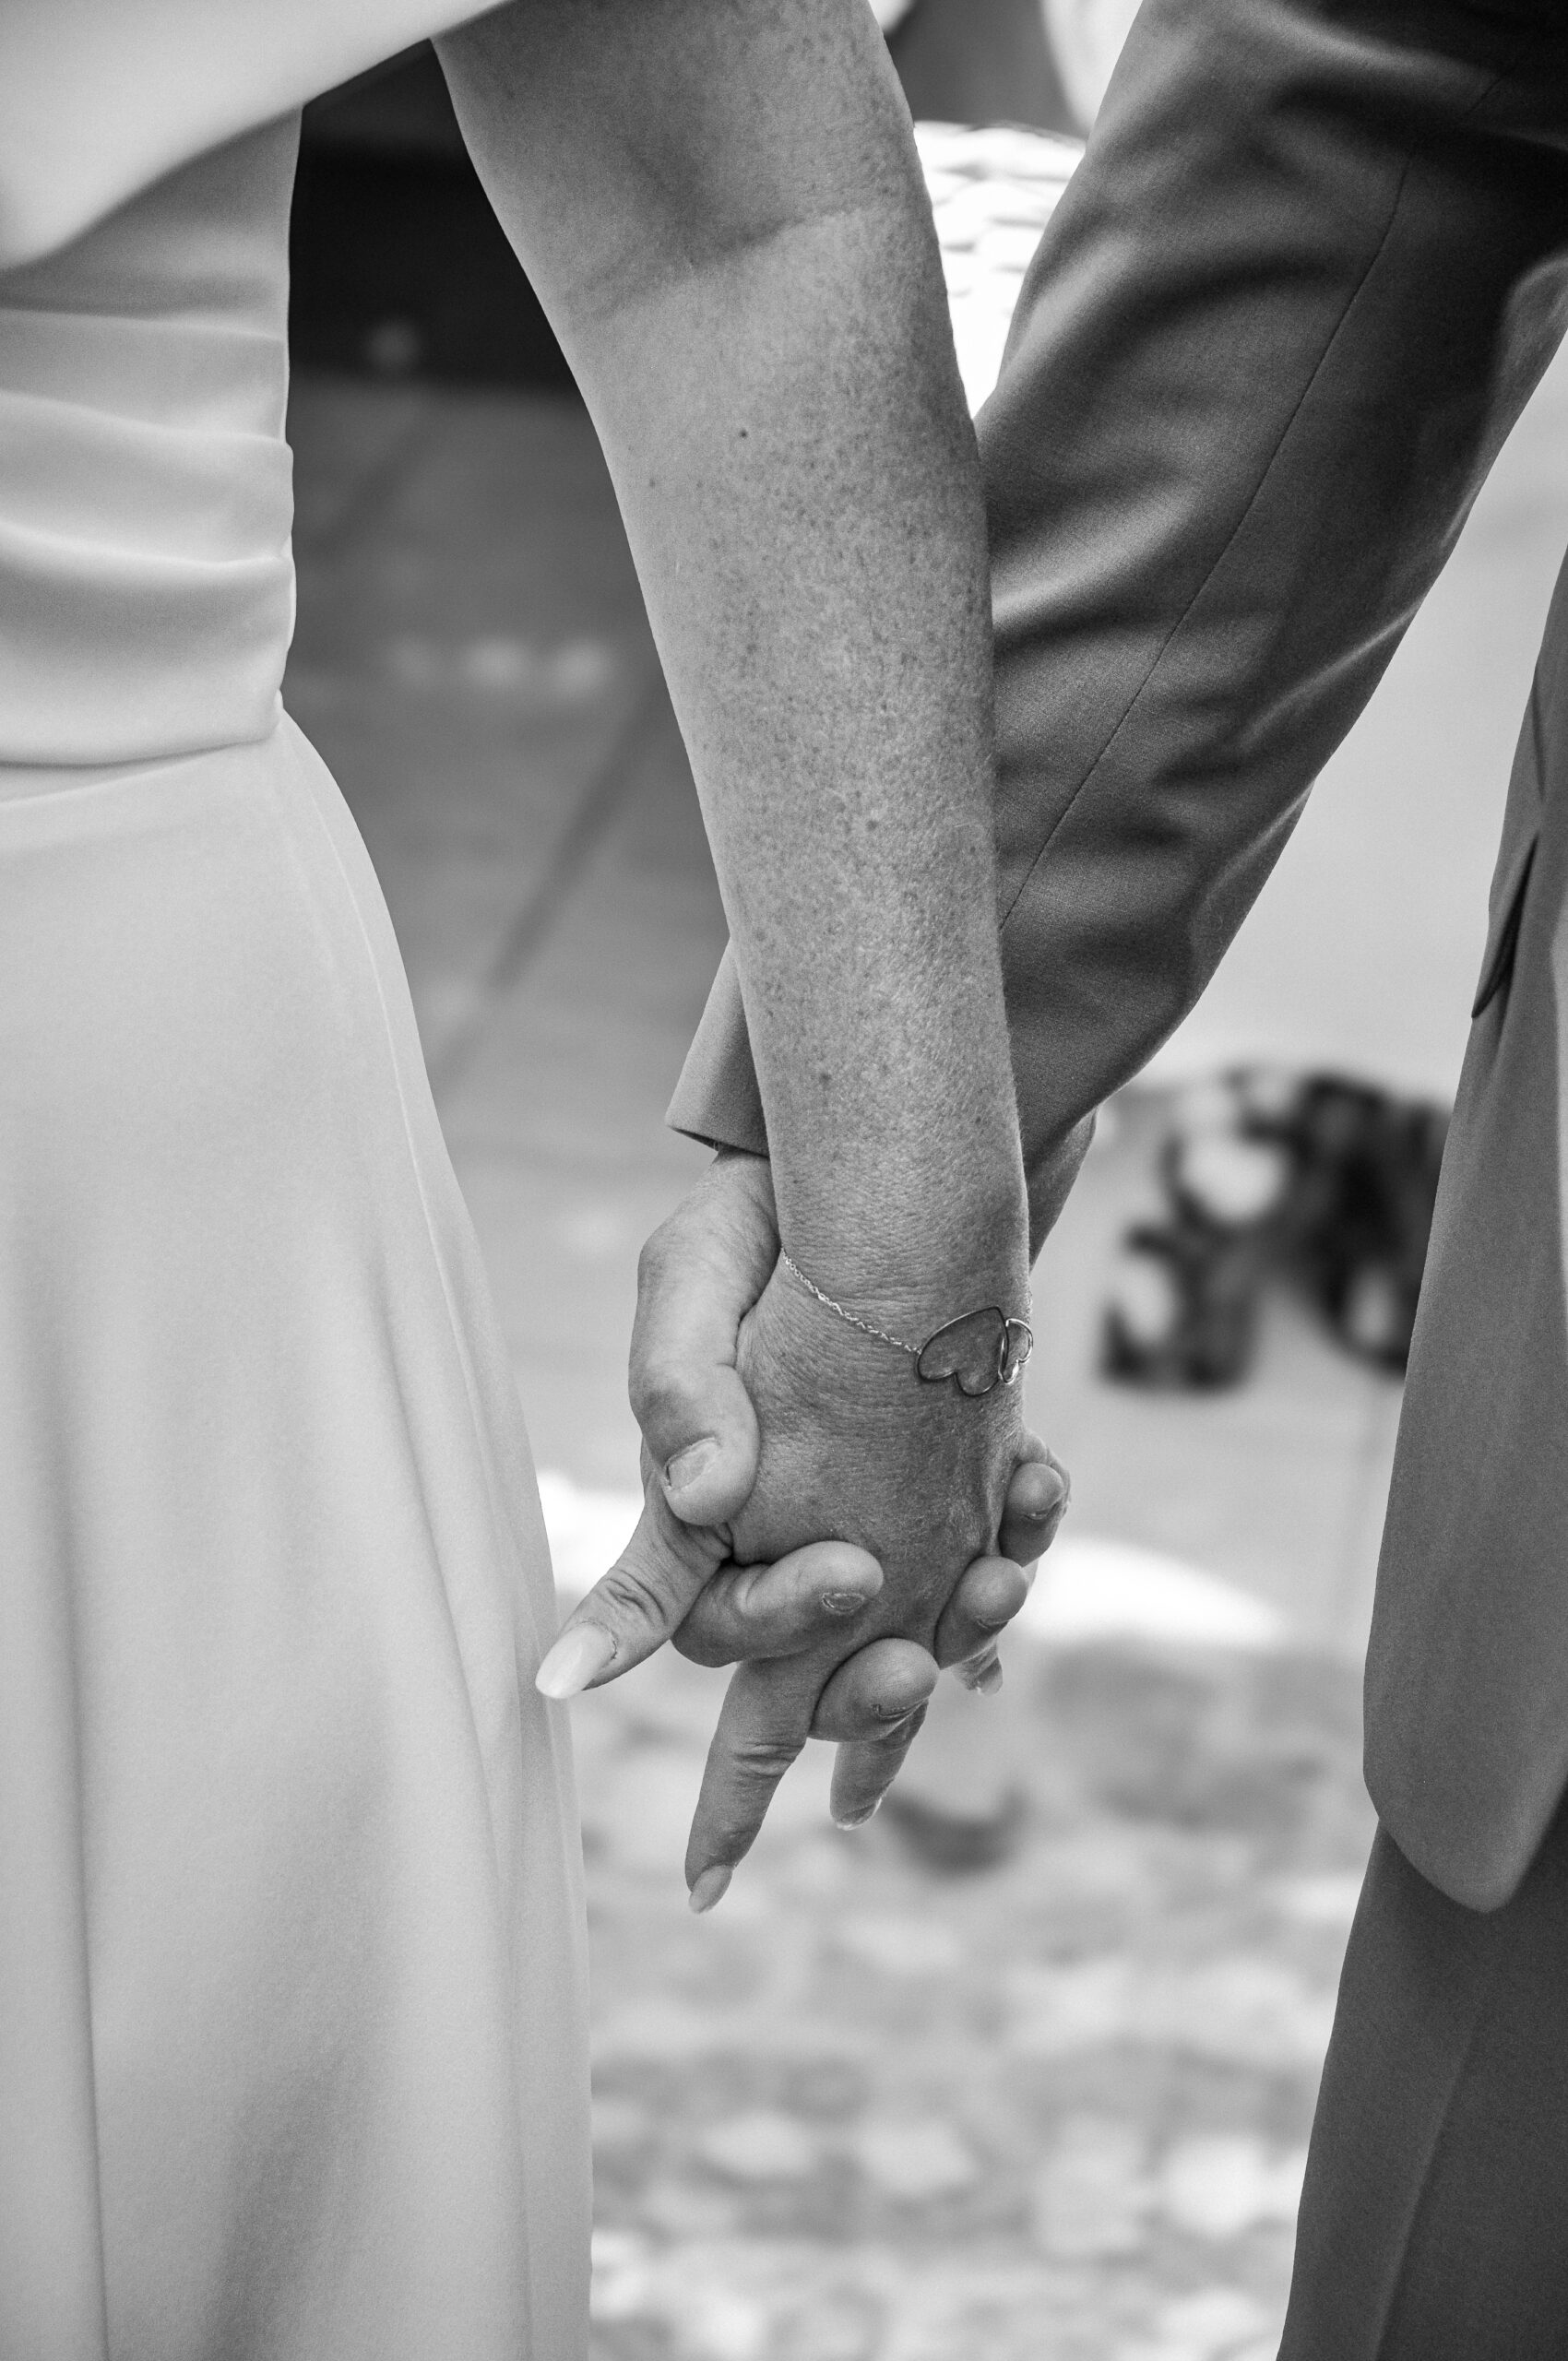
[767,1423]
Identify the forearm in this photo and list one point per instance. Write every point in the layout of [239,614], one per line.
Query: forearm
[764,345]
[837,707]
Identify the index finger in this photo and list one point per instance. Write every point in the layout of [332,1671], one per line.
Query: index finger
[762,1723]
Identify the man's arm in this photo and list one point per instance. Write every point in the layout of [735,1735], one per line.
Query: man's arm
[1302,284]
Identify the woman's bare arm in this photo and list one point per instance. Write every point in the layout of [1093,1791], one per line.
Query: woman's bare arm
[719,204]
[721,207]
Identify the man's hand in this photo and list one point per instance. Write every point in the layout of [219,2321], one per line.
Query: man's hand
[702,1272]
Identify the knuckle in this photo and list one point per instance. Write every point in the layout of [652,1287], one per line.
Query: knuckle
[762,1760]
[640,1591]
[661,1396]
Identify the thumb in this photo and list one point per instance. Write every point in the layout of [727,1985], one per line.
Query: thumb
[633,1609]
[701,1434]
[699,1276]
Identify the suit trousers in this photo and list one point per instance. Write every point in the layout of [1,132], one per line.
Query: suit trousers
[1434,2219]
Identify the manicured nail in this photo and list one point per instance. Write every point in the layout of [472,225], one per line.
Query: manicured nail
[711,1887]
[843,1602]
[688,1464]
[577,1658]
[989,1680]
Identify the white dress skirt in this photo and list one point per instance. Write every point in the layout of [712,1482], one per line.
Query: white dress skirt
[292,1990]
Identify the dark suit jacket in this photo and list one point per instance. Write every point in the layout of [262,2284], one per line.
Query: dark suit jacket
[1312,266]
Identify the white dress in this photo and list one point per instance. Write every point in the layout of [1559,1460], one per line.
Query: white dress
[292,2047]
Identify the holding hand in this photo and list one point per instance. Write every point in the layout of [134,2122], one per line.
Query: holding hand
[914,1476]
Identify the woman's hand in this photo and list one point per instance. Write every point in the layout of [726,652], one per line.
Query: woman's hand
[853,1443]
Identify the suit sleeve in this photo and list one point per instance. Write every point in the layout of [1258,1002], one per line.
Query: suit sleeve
[1301,286]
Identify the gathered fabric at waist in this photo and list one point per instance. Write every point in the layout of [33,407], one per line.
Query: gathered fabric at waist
[146,608]
[38,782]
[146,587]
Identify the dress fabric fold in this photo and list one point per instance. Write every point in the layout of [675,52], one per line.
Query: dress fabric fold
[293,1983]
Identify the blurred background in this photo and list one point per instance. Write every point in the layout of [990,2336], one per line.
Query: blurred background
[1025,2068]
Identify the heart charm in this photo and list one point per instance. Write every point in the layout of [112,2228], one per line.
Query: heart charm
[1019,1346]
[973,1349]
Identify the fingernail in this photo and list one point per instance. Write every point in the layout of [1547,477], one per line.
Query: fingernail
[687,1465]
[843,1602]
[711,1887]
[575,1660]
[859,1818]
[989,1680]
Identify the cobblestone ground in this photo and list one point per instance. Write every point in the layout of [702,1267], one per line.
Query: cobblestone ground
[1052,2111]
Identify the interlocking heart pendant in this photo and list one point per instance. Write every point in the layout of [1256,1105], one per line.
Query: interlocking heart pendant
[981,1350]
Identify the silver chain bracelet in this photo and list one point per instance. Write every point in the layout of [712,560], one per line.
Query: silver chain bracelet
[980,1350]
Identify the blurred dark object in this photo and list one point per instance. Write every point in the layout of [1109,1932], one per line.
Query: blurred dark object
[399,267]
[1264,1746]
[1185,1311]
[1186,1291]
[1367,1183]
[955,1844]
[979,61]
[1327,1183]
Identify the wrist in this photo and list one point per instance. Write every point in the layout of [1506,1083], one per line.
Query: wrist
[915,1263]
[908,1261]
[978,1349]
[864,1392]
